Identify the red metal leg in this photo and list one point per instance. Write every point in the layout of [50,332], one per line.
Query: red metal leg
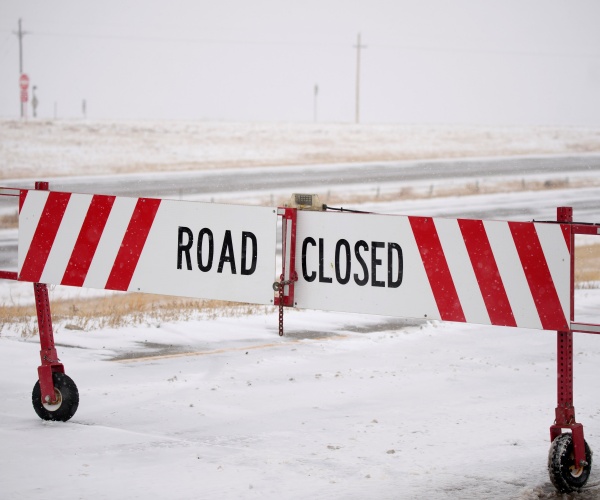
[48,355]
[565,411]
[50,361]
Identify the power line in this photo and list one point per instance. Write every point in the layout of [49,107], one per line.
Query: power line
[425,48]
[216,41]
[377,46]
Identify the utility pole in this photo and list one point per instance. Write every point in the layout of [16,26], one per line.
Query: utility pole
[21,34]
[34,102]
[358,48]
[315,103]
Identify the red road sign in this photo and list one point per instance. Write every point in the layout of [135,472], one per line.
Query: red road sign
[24,95]
[24,82]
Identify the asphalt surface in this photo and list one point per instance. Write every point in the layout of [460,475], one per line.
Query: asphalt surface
[276,178]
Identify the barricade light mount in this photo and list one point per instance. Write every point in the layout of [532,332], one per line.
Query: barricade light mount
[303,201]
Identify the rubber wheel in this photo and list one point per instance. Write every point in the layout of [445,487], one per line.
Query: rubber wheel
[66,394]
[566,476]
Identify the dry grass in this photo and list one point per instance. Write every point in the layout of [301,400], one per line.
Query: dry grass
[9,221]
[121,310]
[587,266]
[22,318]
[333,198]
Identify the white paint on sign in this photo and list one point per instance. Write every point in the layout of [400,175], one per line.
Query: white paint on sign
[211,251]
[359,269]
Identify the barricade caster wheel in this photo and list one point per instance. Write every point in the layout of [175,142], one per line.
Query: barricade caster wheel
[565,474]
[67,397]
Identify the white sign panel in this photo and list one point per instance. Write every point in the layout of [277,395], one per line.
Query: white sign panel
[191,249]
[356,263]
[474,271]
[210,251]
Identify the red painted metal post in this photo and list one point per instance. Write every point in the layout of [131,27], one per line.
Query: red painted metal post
[285,286]
[288,250]
[8,275]
[48,355]
[565,410]
[289,274]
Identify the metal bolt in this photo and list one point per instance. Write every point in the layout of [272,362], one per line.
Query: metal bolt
[47,399]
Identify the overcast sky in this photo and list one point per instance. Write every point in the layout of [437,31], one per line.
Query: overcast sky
[501,62]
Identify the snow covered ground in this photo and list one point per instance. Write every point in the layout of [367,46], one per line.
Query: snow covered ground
[344,406]
[41,149]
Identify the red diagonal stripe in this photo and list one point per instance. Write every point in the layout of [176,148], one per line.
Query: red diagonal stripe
[437,269]
[486,271]
[87,240]
[133,244]
[22,196]
[44,236]
[538,276]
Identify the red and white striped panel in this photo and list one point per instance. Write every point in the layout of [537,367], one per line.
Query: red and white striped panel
[474,271]
[133,244]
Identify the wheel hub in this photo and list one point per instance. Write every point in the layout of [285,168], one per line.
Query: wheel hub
[53,406]
[575,471]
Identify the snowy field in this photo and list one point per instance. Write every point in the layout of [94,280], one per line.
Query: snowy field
[50,148]
[343,406]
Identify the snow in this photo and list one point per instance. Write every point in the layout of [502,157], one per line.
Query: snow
[343,406]
[428,411]
[43,148]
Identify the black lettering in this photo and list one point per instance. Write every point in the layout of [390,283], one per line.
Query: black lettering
[342,280]
[364,280]
[395,283]
[211,249]
[343,263]
[322,277]
[184,248]
[376,262]
[227,253]
[245,237]
[312,276]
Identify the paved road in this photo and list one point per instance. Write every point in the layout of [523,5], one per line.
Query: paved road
[293,179]
[277,178]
